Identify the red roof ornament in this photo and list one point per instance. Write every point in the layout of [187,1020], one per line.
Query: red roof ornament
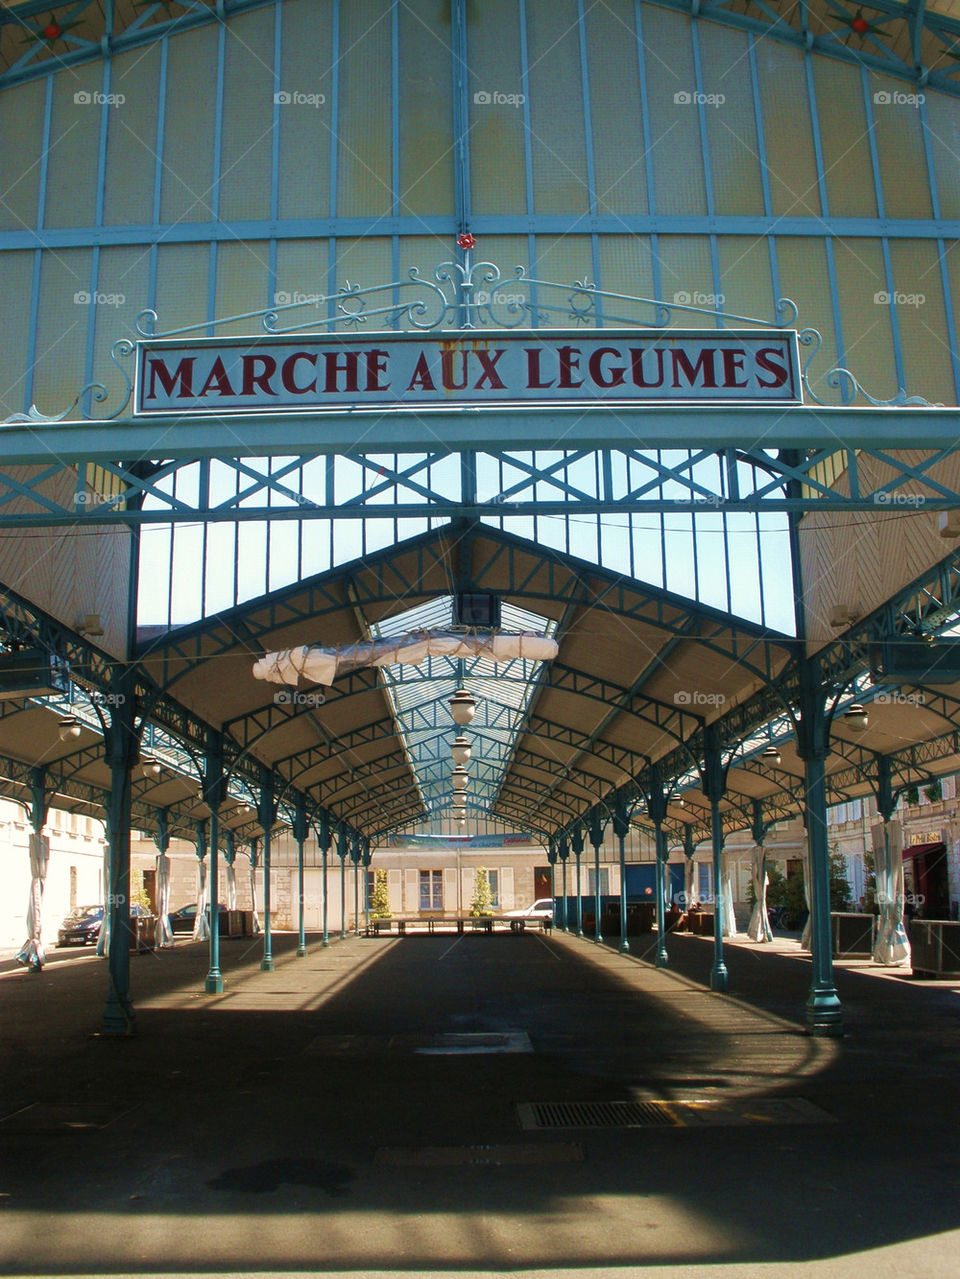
[53,30]
[466,241]
[862,26]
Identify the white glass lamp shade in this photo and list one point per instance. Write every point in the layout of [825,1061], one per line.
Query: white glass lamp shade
[462,707]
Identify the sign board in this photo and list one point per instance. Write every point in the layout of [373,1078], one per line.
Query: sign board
[310,373]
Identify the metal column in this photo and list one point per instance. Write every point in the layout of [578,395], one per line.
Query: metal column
[621,825]
[214,789]
[300,831]
[267,815]
[121,749]
[714,783]
[824,1012]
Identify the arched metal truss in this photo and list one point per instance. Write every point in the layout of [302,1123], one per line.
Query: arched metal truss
[539,790]
[910,40]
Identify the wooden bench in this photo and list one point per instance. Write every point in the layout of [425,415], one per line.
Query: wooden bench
[459,924]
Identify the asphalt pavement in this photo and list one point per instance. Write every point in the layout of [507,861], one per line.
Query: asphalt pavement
[478,1105]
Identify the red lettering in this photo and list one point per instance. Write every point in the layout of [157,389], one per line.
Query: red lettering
[569,364]
[703,367]
[217,380]
[534,381]
[489,373]
[637,354]
[733,358]
[376,364]
[288,373]
[183,374]
[252,380]
[773,366]
[613,377]
[350,369]
[421,375]
[446,370]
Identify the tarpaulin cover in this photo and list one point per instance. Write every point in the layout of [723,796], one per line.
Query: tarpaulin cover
[31,954]
[201,929]
[759,927]
[323,665]
[163,933]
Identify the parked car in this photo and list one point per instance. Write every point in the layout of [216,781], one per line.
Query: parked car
[542,909]
[83,926]
[182,920]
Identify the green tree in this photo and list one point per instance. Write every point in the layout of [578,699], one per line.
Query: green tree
[380,897]
[839,884]
[482,903]
[776,886]
[138,893]
[870,882]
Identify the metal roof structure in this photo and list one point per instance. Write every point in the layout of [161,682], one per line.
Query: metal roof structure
[644,684]
[911,40]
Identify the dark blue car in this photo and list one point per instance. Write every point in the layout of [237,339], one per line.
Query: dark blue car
[83,926]
[182,920]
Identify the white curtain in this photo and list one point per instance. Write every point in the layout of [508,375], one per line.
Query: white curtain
[759,927]
[689,873]
[892,947]
[103,941]
[231,886]
[728,917]
[201,929]
[162,931]
[808,926]
[253,895]
[32,952]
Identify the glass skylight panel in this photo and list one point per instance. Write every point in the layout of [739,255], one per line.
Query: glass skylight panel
[419,696]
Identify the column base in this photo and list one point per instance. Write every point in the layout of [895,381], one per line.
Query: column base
[624,947]
[118,1017]
[662,960]
[325,943]
[266,964]
[214,984]
[824,1014]
[719,978]
[301,952]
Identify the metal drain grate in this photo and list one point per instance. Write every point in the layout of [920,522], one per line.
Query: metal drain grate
[596,1114]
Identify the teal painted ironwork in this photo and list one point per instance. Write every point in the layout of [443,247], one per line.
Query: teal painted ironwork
[214,791]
